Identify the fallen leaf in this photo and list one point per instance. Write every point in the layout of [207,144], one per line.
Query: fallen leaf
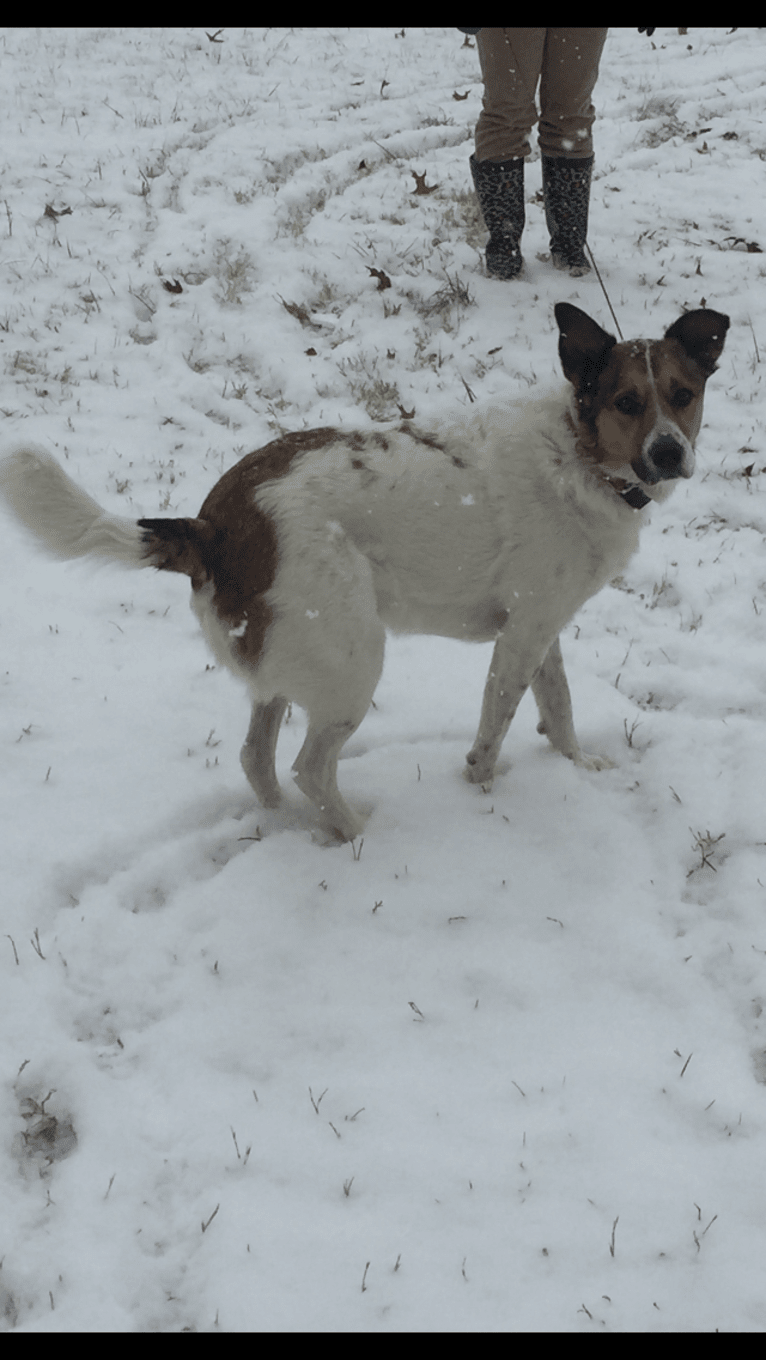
[383,279]
[420,184]
[295,309]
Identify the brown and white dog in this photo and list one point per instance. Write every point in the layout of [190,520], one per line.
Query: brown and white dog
[495,525]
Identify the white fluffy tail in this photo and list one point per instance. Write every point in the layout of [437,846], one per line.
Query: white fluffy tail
[64,519]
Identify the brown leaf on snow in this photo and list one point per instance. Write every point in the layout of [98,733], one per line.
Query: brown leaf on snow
[173,287]
[383,279]
[460,97]
[420,184]
[295,309]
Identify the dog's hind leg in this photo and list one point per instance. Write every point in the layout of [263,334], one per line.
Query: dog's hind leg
[316,776]
[341,671]
[551,691]
[324,651]
[337,697]
[257,754]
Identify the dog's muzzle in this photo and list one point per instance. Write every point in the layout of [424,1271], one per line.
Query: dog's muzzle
[664,459]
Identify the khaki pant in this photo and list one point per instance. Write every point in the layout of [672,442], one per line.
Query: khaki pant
[565,61]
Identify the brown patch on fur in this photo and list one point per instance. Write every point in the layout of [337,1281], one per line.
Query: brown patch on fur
[421,437]
[430,442]
[232,542]
[497,617]
[182,545]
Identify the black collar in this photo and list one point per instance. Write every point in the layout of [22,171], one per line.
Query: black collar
[634,497]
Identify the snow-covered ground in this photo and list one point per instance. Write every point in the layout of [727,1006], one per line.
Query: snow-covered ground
[502,1065]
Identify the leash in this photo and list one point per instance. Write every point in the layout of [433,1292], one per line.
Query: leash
[603,289]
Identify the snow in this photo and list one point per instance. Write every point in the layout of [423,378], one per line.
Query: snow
[501,1065]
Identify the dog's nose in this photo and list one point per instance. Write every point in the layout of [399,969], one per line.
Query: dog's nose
[667,456]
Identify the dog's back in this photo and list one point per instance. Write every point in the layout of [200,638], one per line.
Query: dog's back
[452,519]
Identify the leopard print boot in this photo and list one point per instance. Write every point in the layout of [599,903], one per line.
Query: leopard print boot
[566,191]
[500,191]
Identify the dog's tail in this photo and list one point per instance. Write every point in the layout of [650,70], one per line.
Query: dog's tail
[64,519]
[68,523]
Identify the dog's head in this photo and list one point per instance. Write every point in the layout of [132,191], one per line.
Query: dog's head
[639,403]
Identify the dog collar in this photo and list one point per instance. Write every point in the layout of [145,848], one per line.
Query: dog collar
[629,492]
[634,497]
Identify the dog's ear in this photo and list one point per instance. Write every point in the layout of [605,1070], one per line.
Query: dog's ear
[702,335]
[583,346]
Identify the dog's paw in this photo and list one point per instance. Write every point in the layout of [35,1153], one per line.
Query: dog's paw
[342,827]
[591,762]
[479,774]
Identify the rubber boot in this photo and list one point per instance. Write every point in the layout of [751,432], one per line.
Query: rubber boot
[500,191]
[566,191]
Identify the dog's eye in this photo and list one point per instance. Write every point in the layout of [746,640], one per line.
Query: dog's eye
[629,405]
[682,397]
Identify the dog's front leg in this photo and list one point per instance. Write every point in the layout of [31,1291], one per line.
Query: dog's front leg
[554,702]
[513,666]
[551,691]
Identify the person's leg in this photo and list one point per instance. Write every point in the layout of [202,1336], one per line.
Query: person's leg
[569,73]
[510,65]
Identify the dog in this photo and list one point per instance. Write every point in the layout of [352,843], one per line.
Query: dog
[494,526]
